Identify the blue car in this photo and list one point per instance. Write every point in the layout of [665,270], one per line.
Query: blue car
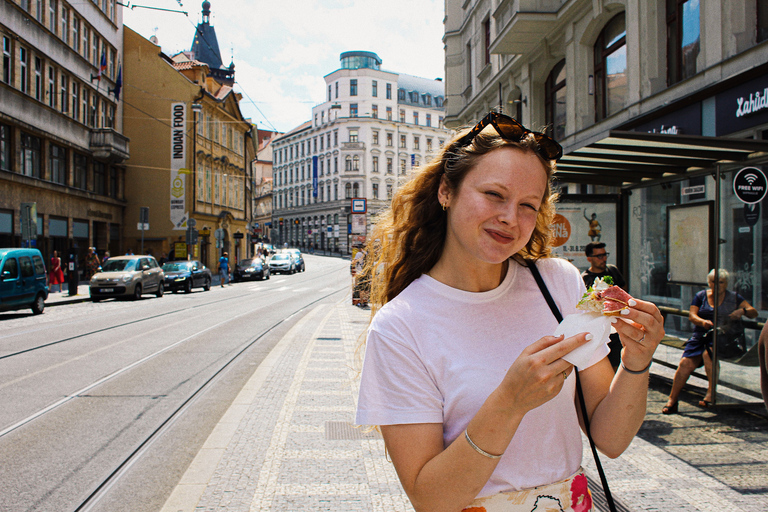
[249,269]
[23,280]
[185,275]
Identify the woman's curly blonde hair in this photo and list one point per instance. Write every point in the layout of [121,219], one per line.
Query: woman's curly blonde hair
[408,237]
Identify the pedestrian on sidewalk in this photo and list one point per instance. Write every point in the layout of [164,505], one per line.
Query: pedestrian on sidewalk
[224,269]
[473,397]
[731,306]
[92,263]
[56,274]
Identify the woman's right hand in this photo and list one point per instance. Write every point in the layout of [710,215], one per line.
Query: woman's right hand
[538,374]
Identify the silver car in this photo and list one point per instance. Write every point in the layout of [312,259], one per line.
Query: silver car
[127,276]
[283,263]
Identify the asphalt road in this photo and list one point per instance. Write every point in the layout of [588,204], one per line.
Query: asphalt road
[103,406]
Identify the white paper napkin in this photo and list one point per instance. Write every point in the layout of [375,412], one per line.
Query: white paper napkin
[597,324]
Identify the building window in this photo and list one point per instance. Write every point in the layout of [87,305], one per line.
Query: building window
[389,140]
[375,164]
[554,102]
[416,140]
[353,135]
[389,113]
[389,91]
[38,79]
[429,145]
[84,102]
[335,165]
[65,24]
[329,93]
[337,90]
[58,161]
[375,111]
[335,138]
[389,191]
[487,41]
[86,46]
[5,147]
[353,110]
[611,68]
[683,39]
[402,166]
[416,118]
[7,61]
[348,163]
[113,185]
[403,142]
[429,120]
[353,87]
[389,165]
[52,8]
[24,70]
[31,156]
[375,190]
[355,163]
[80,172]
[375,137]
[402,115]
[64,93]
[51,87]
[401,95]
[374,88]
[75,33]
[356,189]
[348,191]
[99,178]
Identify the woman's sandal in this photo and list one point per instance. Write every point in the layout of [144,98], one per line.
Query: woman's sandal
[706,404]
[669,409]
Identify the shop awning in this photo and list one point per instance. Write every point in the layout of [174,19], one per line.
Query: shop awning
[625,157]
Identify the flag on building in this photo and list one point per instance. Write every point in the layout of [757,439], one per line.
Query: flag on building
[118,84]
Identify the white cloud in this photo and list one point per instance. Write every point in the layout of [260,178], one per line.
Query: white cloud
[283,49]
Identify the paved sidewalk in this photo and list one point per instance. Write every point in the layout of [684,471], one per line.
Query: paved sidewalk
[287,442]
[83,294]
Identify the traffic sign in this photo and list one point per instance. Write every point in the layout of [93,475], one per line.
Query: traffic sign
[191,223]
[219,234]
[142,226]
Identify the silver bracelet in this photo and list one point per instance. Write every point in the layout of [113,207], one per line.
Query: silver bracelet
[480,450]
[636,372]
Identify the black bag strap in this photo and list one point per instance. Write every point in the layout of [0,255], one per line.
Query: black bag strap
[555,311]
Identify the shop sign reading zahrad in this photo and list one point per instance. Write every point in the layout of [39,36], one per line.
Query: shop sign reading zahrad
[750,185]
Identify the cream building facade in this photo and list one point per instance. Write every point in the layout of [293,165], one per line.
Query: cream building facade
[362,142]
[662,109]
[61,141]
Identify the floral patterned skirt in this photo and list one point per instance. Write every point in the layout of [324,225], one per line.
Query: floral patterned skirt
[569,495]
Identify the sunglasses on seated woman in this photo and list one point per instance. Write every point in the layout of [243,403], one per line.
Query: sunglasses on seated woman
[511,130]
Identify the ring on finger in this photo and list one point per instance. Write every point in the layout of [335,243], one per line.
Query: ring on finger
[640,341]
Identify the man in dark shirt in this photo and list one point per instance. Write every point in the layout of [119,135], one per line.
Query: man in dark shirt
[599,267]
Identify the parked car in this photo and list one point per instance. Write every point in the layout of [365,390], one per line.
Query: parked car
[249,269]
[127,276]
[283,263]
[23,280]
[185,275]
[300,267]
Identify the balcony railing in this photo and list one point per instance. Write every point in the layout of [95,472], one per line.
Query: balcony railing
[109,145]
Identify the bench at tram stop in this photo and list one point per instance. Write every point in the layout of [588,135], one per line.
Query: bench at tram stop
[748,359]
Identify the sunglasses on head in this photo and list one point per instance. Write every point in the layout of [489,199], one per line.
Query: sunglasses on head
[511,130]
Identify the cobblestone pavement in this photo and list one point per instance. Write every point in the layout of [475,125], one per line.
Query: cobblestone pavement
[287,442]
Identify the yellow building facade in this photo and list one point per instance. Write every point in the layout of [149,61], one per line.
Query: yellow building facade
[189,166]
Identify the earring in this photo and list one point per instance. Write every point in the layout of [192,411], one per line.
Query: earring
[444,206]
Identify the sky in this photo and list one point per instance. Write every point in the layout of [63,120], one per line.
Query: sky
[282,49]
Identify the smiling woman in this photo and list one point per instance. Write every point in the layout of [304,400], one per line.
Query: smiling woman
[461,372]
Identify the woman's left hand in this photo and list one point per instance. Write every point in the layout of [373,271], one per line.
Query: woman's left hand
[641,328]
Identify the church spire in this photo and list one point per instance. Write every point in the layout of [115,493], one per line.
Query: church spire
[205,48]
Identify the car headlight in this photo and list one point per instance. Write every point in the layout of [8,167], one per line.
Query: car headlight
[126,278]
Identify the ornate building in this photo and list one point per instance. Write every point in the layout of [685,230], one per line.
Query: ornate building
[373,129]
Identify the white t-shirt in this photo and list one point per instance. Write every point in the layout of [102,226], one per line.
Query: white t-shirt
[435,353]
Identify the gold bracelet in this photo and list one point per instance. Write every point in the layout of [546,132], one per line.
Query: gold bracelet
[480,450]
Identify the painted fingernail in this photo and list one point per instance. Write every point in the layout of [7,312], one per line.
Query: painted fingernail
[632,302]
[614,320]
[625,311]
[589,336]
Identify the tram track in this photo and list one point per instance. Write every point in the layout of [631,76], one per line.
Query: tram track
[121,468]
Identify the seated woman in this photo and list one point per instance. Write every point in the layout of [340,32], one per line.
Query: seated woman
[731,306]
